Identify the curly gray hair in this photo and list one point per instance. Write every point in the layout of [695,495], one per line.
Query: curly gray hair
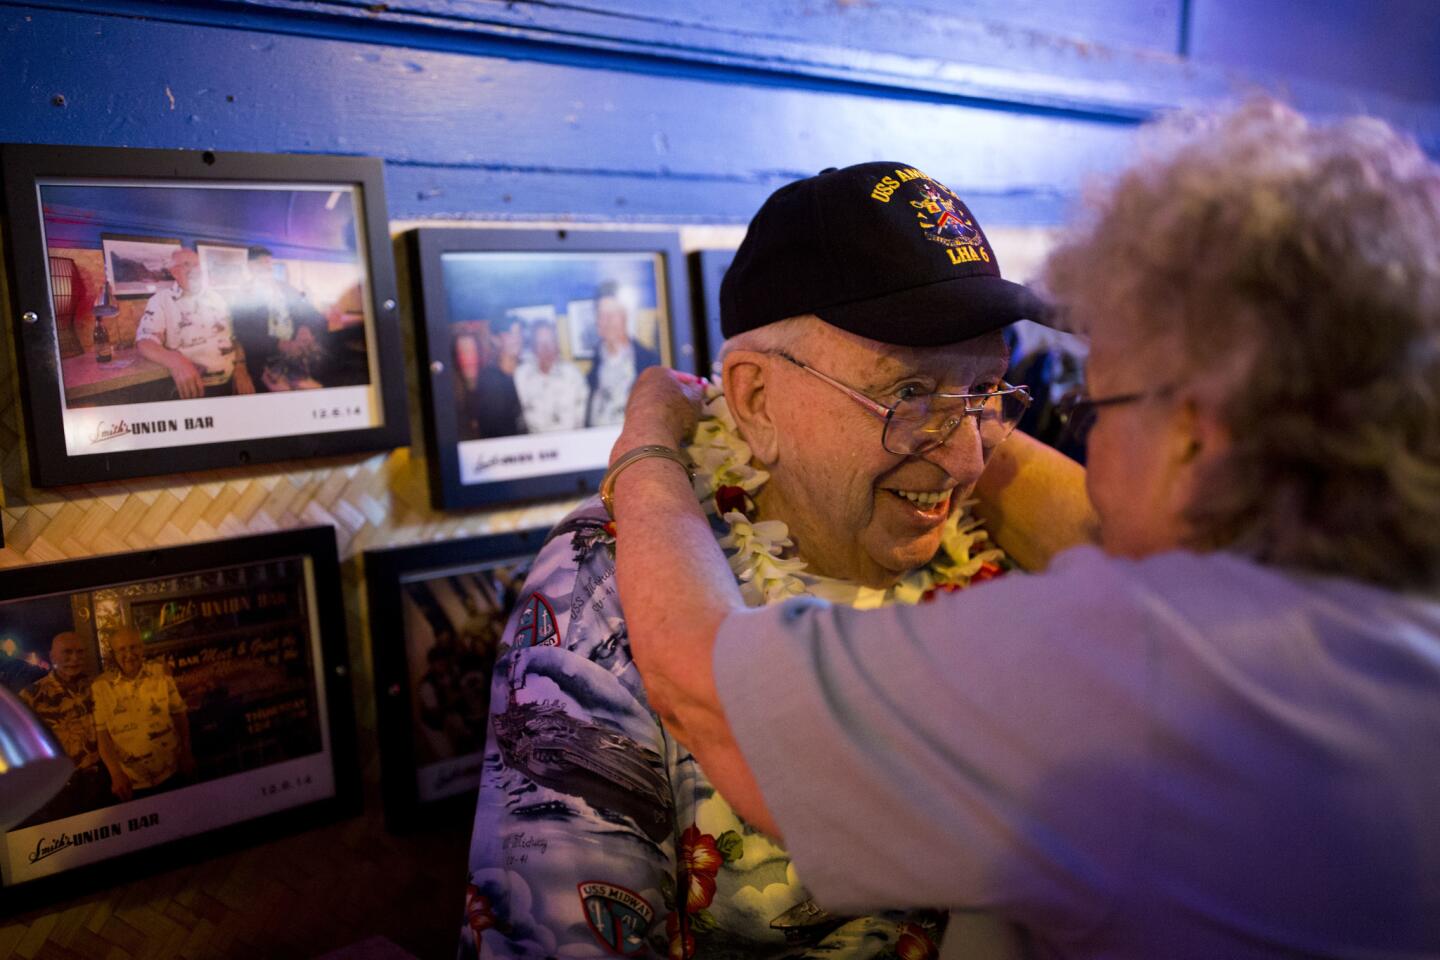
[1311,254]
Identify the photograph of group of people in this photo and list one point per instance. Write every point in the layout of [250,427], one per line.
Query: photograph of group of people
[158,686]
[126,729]
[202,292]
[225,290]
[250,331]
[453,620]
[550,342]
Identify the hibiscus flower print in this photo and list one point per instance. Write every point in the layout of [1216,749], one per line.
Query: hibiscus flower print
[700,861]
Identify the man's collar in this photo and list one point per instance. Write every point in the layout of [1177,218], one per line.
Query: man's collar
[78,683]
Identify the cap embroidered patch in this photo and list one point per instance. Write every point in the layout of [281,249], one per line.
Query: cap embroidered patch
[941,215]
[946,221]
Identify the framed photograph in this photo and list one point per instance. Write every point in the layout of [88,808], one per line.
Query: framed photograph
[707,270]
[437,612]
[583,337]
[201,691]
[138,266]
[224,268]
[223,308]
[531,341]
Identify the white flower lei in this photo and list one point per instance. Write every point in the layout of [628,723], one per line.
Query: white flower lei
[720,457]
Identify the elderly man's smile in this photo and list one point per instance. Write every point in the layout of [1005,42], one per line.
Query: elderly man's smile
[923,504]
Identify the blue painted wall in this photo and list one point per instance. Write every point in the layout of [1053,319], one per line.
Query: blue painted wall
[651,111]
[1390,47]
[688,110]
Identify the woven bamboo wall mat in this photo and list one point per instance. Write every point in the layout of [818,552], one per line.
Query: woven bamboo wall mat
[308,894]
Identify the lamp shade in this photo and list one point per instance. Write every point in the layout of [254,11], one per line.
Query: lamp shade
[62,288]
[32,765]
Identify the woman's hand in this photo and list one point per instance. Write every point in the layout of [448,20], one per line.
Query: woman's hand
[663,408]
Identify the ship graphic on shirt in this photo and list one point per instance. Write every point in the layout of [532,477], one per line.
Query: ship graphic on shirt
[607,769]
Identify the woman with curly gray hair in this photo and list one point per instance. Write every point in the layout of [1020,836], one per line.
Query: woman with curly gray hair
[1278,284]
[1218,733]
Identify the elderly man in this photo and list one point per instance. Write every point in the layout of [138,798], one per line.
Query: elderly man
[187,330]
[141,720]
[618,359]
[552,389]
[1218,735]
[63,700]
[594,830]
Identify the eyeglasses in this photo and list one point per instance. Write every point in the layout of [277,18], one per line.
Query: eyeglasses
[914,425]
[1076,410]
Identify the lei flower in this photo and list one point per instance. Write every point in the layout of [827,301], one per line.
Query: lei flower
[914,943]
[726,482]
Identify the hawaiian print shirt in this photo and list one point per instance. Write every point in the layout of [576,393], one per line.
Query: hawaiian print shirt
[596,833]
[554,400]
[613,380]
[136,713]
[69,712]
[197,325]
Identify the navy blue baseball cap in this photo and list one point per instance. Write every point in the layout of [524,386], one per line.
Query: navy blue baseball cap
[879,249]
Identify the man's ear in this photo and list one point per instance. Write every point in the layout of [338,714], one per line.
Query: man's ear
[745,379]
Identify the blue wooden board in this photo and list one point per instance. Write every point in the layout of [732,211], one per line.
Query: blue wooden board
[1391,46]
[464,132]
[914,27]
[687,111]
[1118,59]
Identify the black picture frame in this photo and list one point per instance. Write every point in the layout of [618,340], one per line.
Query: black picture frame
[707,270]
[250,634]
[432,724]
[324,220]
[508,464]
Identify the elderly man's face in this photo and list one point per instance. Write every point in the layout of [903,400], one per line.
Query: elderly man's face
[127,652]
[843,495]
[67,656]
[547,351]
[184,267]
[611,324]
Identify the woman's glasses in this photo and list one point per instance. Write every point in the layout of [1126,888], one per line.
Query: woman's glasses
[1076,411]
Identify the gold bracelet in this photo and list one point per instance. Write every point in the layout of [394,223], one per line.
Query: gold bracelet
[607,485]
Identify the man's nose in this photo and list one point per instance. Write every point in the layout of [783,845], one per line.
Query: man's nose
[962,455]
